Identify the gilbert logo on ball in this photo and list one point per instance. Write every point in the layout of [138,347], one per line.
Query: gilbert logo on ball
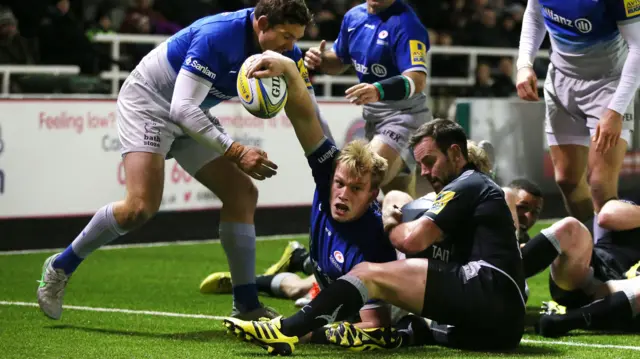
[263,98]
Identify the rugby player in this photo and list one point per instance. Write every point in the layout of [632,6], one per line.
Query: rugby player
[346,224]
[387,45]
[162,112]
[588,92]
[584,268]
[478,290]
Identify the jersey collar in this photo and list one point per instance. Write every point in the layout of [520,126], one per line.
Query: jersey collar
[251,48]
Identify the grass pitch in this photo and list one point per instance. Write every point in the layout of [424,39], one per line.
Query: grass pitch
[143,302]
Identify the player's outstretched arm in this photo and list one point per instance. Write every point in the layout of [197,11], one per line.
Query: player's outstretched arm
[618,215]
[188,94]
[299,108]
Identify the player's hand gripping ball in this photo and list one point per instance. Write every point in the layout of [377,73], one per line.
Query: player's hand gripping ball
[262,97]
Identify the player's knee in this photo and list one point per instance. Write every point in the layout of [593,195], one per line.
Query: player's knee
[368,273]
[573,236]
[569,183]
[137,212]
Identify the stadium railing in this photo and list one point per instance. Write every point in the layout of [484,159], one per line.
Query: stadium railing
[116,75]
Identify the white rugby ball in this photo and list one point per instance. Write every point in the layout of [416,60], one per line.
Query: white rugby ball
[263,98]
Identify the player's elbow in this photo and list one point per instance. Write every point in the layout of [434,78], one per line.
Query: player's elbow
[419,79]
[606,219]
[179,110]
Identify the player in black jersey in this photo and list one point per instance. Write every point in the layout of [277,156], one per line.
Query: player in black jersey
[598,275]
[473,283]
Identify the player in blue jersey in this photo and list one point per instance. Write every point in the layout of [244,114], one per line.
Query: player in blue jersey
[162,112]
[588,92]
[387,45]
[346,223]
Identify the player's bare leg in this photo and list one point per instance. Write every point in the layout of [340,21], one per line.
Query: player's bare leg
[604,171]
[570,270]
[294,287]
[395,162]
[239,197]
[144,183]
[570,170]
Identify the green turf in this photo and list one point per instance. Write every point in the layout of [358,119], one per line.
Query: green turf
[166,279]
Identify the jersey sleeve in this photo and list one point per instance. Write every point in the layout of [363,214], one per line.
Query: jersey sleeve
[453,205]
[202,58]
[411,46]
[624,10]
[341,45]
[321,163]
[296,56]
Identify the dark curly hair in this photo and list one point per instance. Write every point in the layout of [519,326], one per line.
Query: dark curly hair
[280,12]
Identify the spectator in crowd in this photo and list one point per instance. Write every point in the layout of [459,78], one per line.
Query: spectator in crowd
[486,32]
[483,86]
[503,85]
[142,19]
[14,48]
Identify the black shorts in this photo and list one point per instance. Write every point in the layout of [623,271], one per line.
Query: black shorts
[477,306]
[606,266]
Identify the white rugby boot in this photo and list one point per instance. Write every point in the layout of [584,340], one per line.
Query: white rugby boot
[51,289]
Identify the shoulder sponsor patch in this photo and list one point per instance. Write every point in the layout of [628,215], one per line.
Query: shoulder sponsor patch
[441,201]
[304,73]
[632,7]
[419,52]
[194,63]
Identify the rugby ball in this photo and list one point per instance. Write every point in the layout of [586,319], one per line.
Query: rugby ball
[263,98]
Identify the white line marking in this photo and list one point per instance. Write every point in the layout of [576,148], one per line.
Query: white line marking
[215,317]
[148,245]
[116,310]
[574,344]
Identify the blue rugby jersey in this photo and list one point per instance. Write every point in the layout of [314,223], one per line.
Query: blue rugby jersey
[336,247]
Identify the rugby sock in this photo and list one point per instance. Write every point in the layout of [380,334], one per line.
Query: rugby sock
[598,232]
[239,244]
[298,258]
[613,312]
[270,284]
[102,229]
[307,266]
[540,252]
[342,298]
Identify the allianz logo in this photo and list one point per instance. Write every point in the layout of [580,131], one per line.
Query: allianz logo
[583,25]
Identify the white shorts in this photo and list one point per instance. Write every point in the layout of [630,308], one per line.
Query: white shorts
[144,126]
[573,108]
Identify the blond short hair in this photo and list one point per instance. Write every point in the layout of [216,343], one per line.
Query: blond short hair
[361,160]
[478,157]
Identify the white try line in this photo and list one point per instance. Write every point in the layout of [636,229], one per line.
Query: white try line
[116,310]
[149,245]
[215,317]
[574,344]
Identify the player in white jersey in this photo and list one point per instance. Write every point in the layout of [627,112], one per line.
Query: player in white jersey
[589,91]
[162,112]
[387,45]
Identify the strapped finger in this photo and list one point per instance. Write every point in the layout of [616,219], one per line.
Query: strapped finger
[266,171]
[269,164]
